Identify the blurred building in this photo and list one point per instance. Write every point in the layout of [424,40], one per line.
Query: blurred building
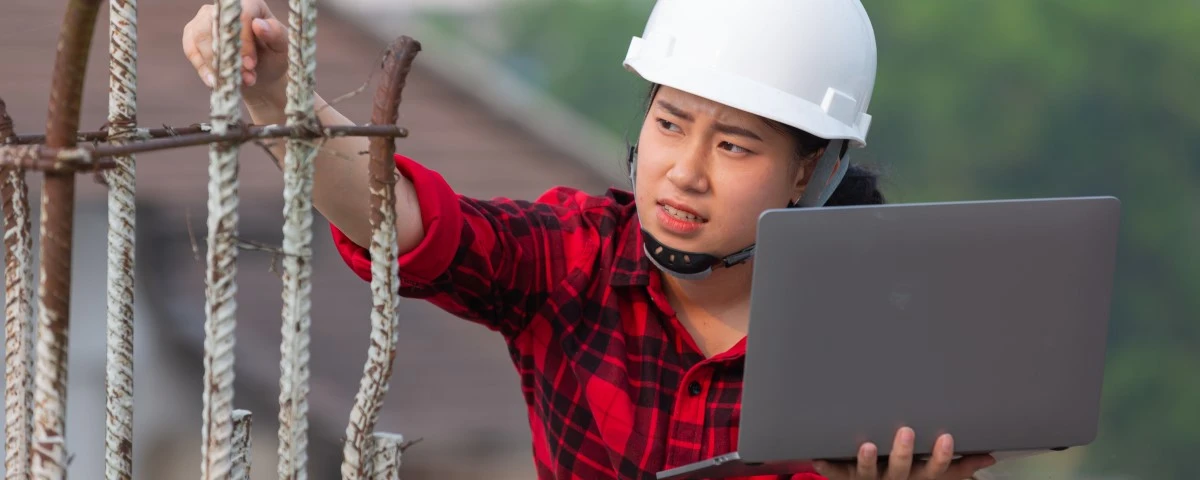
[453,385]
[974,100]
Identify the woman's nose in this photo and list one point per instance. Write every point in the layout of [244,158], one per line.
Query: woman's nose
[689,172]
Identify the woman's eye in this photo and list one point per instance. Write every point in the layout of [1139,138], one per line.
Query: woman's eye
[733,148]
[668,125]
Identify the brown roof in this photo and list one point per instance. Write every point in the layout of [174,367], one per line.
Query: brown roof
[453,384]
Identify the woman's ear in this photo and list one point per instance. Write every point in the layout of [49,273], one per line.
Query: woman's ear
[804,172]
[631,164]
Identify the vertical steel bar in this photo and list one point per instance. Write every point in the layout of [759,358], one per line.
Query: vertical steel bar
[384,276]
[297,241]
[242,423]
[221,289]
[49,458]
[386,452]
[18,317]
[122,123]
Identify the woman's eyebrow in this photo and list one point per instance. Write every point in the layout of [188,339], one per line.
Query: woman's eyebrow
[674,110]
[736,130]
[720,127]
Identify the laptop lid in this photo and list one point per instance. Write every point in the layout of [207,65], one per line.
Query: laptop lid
[984,319]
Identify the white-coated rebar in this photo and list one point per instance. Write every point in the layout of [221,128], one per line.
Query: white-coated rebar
[35,426]
[18,318]
[18,327]
[48,455]
[381,181]
[384,323]
[242,425]
[221,287]
[297,242]
[122,128]
[386,450]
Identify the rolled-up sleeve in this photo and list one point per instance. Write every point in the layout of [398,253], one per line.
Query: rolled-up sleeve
[489,261]
[441,218]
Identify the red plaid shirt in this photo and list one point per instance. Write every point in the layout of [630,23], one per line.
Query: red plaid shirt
[614,385]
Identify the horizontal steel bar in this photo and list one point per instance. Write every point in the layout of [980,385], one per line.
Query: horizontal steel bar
[99,157]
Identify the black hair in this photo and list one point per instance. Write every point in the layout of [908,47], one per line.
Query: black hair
[859,186]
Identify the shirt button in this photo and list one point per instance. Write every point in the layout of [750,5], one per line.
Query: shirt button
[694,388]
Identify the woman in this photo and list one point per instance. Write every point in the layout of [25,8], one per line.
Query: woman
[626,313]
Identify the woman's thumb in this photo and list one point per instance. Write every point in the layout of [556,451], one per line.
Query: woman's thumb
[270,34]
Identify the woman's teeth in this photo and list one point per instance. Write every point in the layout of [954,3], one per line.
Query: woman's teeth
[681,214]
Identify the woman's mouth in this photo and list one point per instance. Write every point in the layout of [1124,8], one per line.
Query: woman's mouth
[678,221]
[682,215]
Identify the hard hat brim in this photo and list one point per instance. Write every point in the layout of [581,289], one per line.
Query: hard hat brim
[749,96]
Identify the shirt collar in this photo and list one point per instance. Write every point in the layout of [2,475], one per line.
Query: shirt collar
[630,266]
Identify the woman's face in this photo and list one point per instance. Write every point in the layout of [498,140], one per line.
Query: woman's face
[706,171]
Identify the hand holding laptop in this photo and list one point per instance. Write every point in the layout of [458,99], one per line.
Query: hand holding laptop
[900,464]
[942,291]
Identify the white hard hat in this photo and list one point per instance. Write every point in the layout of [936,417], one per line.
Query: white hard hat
[809,64]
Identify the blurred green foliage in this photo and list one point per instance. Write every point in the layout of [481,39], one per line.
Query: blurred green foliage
[1000,99]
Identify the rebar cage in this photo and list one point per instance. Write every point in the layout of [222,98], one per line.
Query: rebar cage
[36,350]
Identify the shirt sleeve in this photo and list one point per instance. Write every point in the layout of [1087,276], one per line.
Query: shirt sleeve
[493,262]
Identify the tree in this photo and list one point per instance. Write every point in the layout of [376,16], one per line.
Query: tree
[1014,98]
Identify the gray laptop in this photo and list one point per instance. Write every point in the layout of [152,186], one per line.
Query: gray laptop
[987,320]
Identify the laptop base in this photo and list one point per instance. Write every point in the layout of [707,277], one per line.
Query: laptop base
[732,465]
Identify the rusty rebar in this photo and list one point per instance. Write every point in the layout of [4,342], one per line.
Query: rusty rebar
[255,131]
[58,208]
[297,239]
[63,161]
[8,129]
[122,125]
[201,134]
[225,431]
[384,275]
[99,157]
[102,135]
[220,296]
[18,317]
[242,445]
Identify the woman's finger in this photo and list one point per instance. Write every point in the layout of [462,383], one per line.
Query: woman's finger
[939,462]
[270,37]
[832,470]
[270,34]
[900,460]
[206,53]
[199,62]
[197,45]
[967,466]
[251,10]
[868,462]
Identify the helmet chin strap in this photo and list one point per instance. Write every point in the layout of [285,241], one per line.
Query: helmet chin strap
[689,265]
[696,265]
